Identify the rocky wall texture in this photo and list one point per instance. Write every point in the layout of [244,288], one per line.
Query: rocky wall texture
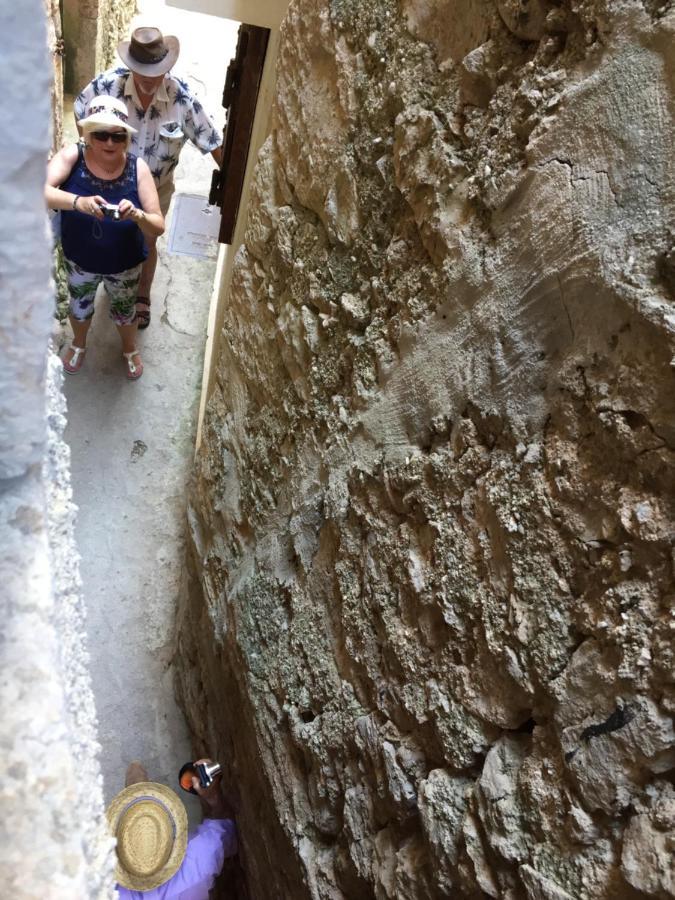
[92,30]
[114,19]
[430,612]
[56,49]
[54,841]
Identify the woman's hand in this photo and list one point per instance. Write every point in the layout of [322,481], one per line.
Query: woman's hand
[150,223]
[129,211]
[91,206]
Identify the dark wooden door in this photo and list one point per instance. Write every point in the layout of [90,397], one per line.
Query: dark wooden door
[240,96]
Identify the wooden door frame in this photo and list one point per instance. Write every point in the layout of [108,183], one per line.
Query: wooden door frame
[268,14]
[240,98]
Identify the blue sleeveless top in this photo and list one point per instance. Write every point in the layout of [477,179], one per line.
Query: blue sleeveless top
[102,247]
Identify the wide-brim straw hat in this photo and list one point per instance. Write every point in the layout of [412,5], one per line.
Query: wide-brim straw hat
[106,112]
[149,52]
[150,824]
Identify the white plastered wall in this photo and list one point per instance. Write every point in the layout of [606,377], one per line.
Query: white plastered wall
[53,841]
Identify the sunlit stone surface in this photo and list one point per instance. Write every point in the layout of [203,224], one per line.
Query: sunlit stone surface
[430,611]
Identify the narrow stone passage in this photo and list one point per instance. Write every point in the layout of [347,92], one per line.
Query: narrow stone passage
[132,446]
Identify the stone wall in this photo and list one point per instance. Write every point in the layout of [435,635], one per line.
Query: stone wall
[55,45]
[91,31]
[54,844]
[429,616]
[114,19]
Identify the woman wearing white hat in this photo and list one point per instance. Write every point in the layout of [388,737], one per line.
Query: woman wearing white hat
[166,113]
[109,203]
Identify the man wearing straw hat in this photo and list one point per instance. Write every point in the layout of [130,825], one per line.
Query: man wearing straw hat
[156,859]
[165,113]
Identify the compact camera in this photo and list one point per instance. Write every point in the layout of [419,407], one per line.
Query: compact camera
[206,772]
[110,210]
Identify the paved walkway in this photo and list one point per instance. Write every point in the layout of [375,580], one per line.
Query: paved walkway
[132,446]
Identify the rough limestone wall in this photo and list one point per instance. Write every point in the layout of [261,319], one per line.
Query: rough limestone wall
[114,19]
[430,614]
[91,31]
[56,49]
[54,843]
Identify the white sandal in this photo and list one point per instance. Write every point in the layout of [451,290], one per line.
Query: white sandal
[133,371]
[73,366]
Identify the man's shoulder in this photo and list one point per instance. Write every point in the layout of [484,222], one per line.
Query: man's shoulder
[112,79]
[180,87]
[177,78]
[107,82]
[115,71]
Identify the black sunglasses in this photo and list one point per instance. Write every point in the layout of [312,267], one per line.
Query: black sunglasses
[117,137]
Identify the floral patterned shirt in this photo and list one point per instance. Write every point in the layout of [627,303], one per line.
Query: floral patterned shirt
[174,116]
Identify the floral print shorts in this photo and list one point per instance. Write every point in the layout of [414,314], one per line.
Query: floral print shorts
[120,287]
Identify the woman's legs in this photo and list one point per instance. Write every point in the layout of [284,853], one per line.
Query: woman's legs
[128,335]
[82,289]
[80,328]
[73,358]
[129,351]
[122,288]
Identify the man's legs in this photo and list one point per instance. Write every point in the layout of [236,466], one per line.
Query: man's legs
[149,266]
[165,193]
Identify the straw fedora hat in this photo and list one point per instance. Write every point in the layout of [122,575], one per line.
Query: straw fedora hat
[150,824]
[149,52]
[106,112]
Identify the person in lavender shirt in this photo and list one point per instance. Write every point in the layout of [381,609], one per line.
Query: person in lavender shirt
[156,858]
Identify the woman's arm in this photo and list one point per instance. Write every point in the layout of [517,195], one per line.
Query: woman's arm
[149,218]
[58,169]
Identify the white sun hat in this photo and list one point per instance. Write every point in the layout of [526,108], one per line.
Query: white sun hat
[106,112]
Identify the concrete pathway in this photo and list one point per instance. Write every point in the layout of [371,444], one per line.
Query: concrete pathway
[132,446]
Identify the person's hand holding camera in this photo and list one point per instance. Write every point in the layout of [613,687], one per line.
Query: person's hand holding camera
[127,210]
[90,205]
[211,798]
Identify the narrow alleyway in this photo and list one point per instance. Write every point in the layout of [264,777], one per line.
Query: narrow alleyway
[132,446]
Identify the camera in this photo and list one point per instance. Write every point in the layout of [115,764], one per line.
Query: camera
[110,210]
[206,772]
